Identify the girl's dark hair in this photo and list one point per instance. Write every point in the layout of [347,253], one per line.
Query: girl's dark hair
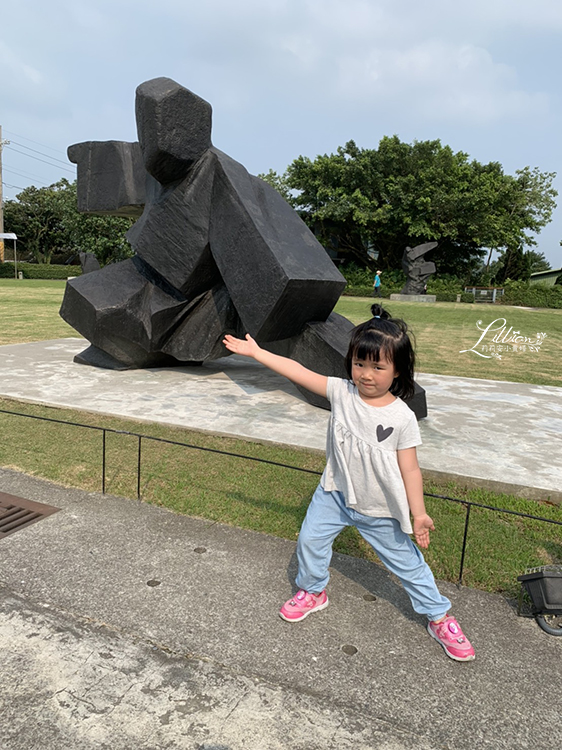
[388,337]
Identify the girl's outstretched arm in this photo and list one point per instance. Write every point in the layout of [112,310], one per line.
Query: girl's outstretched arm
[413,482]
[290,369]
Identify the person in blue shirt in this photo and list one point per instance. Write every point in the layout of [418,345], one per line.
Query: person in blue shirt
[377,285]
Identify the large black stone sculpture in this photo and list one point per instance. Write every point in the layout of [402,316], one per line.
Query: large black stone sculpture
[217,251]
[417,269]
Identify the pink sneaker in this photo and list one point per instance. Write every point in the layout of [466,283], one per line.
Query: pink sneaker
[449,634]
[302,604]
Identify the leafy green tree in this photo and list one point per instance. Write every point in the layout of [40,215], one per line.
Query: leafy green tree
[404,194]
[48,223]
[104,236]
[35,217]
[515,265]
[538,261]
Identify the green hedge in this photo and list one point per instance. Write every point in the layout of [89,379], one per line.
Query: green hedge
[356,290]
[39,271]
[444,296]
[446,288]
[537,295]
[445,285]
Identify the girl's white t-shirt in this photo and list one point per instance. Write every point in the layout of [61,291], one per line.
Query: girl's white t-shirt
[361,456]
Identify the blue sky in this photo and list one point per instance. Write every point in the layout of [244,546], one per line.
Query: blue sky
[289,77]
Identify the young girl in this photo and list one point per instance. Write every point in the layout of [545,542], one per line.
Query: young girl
[372,479]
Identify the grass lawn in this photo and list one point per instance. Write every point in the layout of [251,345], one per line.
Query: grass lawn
[442,330]
[30,311]
[247,494]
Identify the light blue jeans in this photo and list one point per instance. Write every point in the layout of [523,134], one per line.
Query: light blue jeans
[327,515]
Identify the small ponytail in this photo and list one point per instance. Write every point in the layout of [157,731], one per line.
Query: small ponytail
[378,311]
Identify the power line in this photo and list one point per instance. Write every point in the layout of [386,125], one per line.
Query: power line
[39,152]
[13,187]
[42,160]
[26,175]
[56,150]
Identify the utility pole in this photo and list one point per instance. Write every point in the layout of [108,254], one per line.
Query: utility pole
[2,144]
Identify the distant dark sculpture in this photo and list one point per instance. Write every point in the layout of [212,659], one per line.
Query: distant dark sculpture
[417,269]
[88,262]
[217,251]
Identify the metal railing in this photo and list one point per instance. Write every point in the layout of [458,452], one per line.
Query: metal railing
[104,430]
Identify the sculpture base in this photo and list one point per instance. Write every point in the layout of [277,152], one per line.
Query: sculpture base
[413,297]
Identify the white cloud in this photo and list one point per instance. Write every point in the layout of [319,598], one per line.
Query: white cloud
[504,14]
[438,80]
[433,58]
[17,73]
[24,87]
[85,16]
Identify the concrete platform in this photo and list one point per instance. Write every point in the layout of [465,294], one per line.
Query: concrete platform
[506,436]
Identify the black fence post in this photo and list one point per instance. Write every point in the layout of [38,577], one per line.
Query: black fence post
[139,470]
[464,542]
[103,464]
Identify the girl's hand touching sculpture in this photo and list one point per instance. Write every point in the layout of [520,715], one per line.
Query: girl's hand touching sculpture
[247,347]
[282,365]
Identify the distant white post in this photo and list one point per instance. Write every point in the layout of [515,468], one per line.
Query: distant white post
[11,236]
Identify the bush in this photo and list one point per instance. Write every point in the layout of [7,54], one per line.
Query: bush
[467,297]
[39,271]
[444,296]
[450,285]
[353,290]
[357,276]
[527,295]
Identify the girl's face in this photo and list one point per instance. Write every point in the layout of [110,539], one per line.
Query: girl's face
[373,379]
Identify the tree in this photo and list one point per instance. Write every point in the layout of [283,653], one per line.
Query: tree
[47,222]
[104,236]
[35,217]
[517,265]
[404,194]
[538,261]
[514,265]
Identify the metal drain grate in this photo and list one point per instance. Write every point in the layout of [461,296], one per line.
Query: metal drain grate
[17,513]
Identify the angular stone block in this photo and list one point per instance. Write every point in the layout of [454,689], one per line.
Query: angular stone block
[199,336]
[172,235]
[418,403]
[322,347]
[98,358]
[278,275]
[111,177]
[174,128]
[125,310]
